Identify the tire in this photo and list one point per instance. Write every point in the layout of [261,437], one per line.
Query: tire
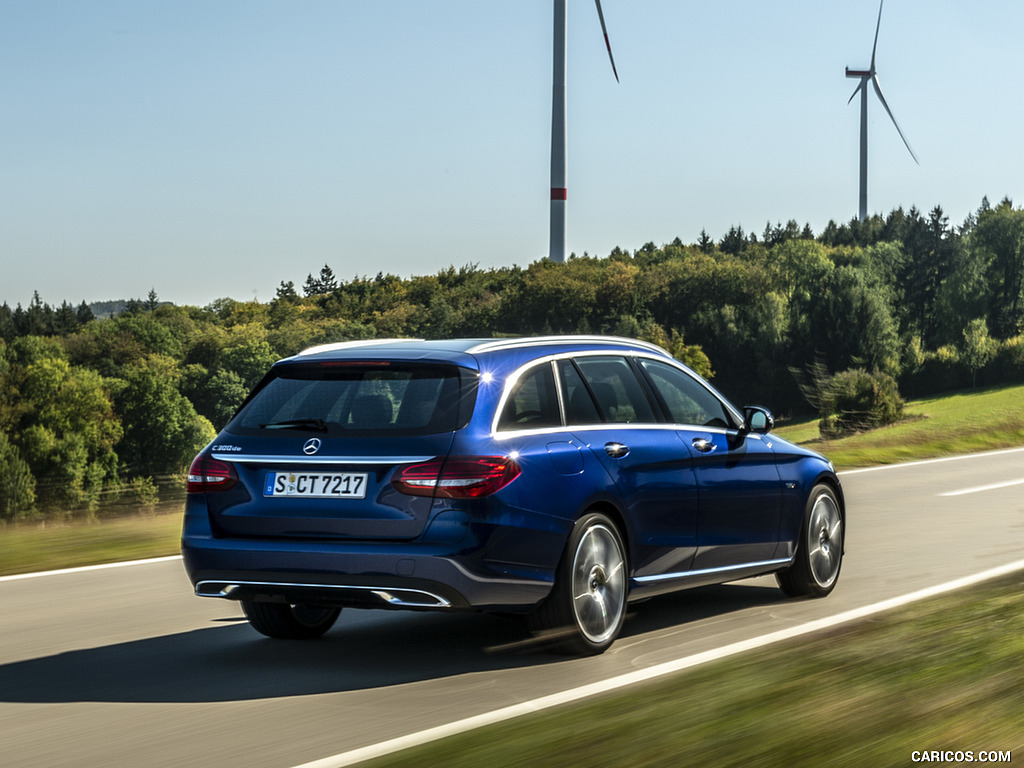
[290,622]
[819,552]
[587,606]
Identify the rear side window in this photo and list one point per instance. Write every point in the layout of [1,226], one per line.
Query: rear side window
[533,402]
[365,399]
[616,390]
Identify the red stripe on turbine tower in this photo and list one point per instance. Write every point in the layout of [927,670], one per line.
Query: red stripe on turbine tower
[559,193]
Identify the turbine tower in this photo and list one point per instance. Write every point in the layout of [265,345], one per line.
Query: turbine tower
[872,76]
[556,248]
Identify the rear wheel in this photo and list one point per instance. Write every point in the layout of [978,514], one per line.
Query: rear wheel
[585,611]
[301,621]
[819,553]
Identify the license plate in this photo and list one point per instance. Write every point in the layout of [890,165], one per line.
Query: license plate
[316,485]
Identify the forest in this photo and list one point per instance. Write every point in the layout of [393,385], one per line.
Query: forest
[844,323]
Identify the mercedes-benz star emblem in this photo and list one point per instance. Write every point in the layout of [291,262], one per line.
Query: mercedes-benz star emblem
[312,446]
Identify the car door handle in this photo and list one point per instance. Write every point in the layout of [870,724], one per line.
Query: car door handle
[616,450]
[704,446]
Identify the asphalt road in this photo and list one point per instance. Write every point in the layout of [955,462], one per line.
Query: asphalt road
[124,667]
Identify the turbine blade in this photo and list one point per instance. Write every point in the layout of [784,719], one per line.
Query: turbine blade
[881,98]
[856,90]
[607,44]
[878,26]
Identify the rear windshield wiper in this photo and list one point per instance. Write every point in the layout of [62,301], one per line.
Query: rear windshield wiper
[318,425]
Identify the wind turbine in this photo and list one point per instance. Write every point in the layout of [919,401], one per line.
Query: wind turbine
[872,76]
[556,249]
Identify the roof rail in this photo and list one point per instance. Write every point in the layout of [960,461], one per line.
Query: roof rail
[350,345]
[530,341]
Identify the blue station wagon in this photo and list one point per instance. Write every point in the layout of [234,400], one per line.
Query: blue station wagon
[555,477]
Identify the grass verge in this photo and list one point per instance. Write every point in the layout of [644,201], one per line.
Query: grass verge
[963,422]
[943,674]
[28,547]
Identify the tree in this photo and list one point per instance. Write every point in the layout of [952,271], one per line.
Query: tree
[84,313]
[847,321]
[17,485]
[978,348]
[215,395]
[162,431]
[929,247]
[8,330]
[65,427]
[800,266]
[286,292]
[248,354]
[999,240]
[734,242]
[326,283]
[225,391]
[65,320]
[38,318]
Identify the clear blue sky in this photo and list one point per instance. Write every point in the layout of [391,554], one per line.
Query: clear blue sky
[209,149]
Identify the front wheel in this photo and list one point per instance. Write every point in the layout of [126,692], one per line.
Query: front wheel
[301,621]
[819,552]
[587,606]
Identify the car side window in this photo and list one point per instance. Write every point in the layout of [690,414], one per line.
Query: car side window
[579,405]
[687,400]
[619,395]
[533,402]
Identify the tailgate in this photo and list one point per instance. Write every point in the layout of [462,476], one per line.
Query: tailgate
[336,495]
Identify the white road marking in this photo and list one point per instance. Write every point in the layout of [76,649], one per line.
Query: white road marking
[576,694]
[981,488]
[940,460]
[85,568]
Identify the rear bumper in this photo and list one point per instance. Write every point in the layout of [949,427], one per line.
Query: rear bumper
[397,575]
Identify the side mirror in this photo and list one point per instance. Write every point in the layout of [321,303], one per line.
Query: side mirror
[757,419]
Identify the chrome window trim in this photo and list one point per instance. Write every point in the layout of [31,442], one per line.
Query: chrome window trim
[708,571]
[511,380]
[248,458]
[617,426]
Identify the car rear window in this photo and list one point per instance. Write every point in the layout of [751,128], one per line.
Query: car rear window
[366,399]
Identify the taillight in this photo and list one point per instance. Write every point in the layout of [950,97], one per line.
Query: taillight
[458,477]
[208,475]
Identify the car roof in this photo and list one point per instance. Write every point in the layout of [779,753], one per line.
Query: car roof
[453,349]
